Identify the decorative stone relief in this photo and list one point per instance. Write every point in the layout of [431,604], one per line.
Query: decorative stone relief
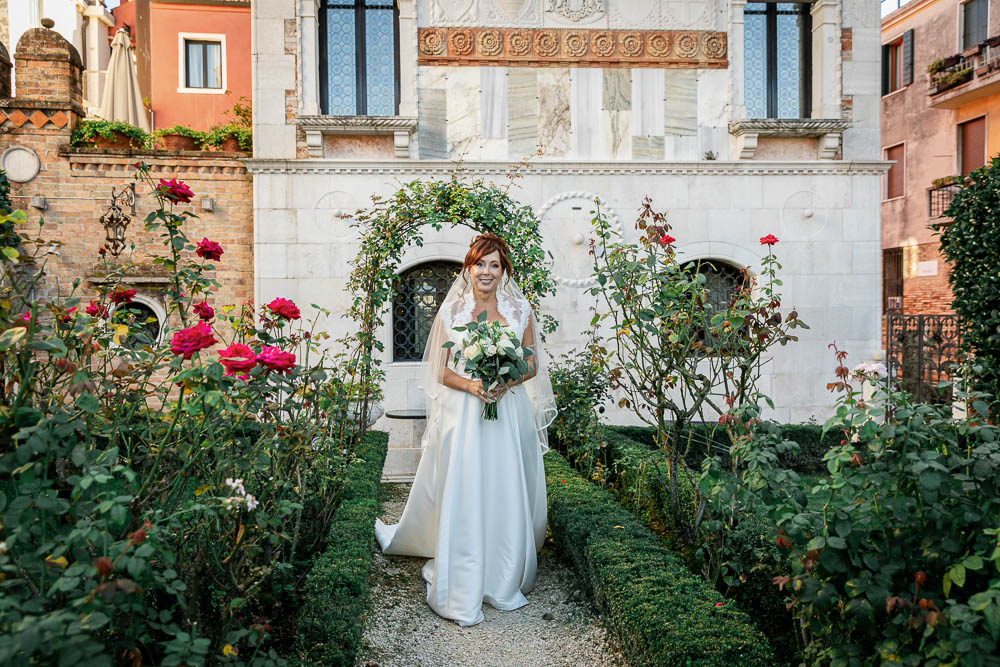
[332,216]
[577,10]
[567,215]
[21,164]
[805,211]
[453,12]
[530,47]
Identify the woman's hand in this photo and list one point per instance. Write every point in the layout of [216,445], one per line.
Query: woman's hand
[475,387]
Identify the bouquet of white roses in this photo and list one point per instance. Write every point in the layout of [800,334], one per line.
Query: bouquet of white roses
[493,354]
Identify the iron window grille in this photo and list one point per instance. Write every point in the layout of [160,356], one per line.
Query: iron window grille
[202,64]
[892,280]
[921,351]
[144,326]
[722,282]
[939,199]
[777,59]
[359,58]
[419,294]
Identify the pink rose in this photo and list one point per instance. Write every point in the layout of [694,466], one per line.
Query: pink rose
[284,308]
[96,310]
[204,311]
[237,359]
[174,190]
[209,250]
[188,341]
[25,320]
[276,359]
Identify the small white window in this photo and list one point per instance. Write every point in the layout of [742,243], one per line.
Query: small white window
[201,63]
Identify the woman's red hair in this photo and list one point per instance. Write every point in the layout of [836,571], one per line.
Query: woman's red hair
[485,244]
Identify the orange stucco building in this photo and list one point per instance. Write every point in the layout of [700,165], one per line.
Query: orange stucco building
[940,118]
[192,58]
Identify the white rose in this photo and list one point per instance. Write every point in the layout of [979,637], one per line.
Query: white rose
[491,350]
[520,353]
[471,351]
[506,342]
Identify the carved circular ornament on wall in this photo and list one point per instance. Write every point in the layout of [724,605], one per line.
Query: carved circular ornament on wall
[20,163]
[569,251]
[546,43]
[687,45]
[715,46]
[432,42]
[519,43]
[658,46]
[460,42]
[630,44]
[575,44]
[603,44]
[490,43]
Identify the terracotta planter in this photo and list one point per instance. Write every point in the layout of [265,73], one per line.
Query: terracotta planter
[229,144]
[118,141]
[178,142]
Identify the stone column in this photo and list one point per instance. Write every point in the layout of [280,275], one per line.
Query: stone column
[309,57]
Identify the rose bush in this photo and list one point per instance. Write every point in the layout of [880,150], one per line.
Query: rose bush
[159,504]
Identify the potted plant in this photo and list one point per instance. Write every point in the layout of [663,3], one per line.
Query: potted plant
[230,137]
[178,138]
[108,134]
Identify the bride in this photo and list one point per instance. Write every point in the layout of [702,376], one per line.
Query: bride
[477,505]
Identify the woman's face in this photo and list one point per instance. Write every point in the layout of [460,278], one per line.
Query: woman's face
[486,272]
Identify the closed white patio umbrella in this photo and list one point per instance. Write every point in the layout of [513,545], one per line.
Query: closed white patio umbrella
[122,99]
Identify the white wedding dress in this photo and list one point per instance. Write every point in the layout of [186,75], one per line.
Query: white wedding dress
[477,507]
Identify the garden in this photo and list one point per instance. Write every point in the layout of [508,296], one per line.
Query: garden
[209,496]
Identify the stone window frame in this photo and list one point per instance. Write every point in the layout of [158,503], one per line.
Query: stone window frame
[156,306]
[826,122]
[394,320]
[182,39]
[315,125]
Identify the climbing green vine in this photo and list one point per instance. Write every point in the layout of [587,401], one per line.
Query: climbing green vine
[395,222]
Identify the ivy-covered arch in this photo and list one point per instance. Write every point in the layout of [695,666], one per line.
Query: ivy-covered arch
[394,223]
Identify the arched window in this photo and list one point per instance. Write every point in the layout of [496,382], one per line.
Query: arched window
[419,294]
[722,281]
[143,321]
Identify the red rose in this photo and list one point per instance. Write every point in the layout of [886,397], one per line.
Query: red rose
[237,358]
[96,310]
[783,541]
[26,320]
[770,239]
[209,250]
[204,311]
[121,295]
[718,604]
[188,341]
[103,565]
[284,309]
[667,239]
[174,190]
[275,359]
[102,251]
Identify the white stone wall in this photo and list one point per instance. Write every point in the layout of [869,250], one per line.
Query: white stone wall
[618,134]
[825,215]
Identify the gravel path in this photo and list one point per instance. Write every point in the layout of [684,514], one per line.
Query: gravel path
[558,627]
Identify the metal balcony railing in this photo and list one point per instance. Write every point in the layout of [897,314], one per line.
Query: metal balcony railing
[939,199]
[958,69]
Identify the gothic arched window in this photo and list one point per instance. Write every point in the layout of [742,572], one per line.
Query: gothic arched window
[419,294]
[722,281]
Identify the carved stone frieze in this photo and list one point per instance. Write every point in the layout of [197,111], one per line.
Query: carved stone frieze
[579,10]
[529,47]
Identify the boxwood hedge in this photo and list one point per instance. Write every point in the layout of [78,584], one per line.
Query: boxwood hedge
[661,613]
[330,621]
[809,459]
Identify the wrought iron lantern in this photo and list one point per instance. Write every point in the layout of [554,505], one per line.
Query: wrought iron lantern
[115,221]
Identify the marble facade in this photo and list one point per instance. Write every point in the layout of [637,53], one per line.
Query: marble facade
[678,134]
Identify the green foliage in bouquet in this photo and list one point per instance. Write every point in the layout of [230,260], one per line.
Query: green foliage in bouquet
[160,501]
[492,354]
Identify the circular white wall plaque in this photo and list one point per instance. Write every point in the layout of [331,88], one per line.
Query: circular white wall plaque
[20,163]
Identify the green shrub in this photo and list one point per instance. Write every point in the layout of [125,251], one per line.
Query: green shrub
[970,242]
[219,133]
[181,130]
[581,387]
[330,624]
[660,612]
[88,131]
[8,234]
[709,438]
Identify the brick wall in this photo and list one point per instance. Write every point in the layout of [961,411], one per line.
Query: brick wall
[77,183]
[925,294]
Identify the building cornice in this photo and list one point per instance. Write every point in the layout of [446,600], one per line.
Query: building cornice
[903,13]
[789,127]
[694,168]
[357,124]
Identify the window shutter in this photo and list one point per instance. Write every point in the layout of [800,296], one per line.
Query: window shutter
[907,57]
[886,54]
[973,144]
[895,185]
